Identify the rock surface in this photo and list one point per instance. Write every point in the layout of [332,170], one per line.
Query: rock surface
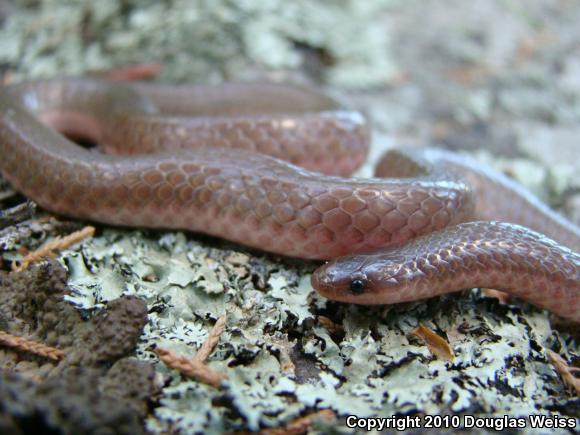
[498,79]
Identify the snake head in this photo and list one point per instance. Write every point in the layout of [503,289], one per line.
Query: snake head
[360,279]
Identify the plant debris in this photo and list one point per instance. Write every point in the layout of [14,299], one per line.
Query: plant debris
[436,344]
[300,425]
[16,214]
[195,367]
[50,248]
[570,375]
[24,345]
[190,368]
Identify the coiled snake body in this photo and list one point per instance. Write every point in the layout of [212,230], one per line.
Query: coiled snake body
[209,159]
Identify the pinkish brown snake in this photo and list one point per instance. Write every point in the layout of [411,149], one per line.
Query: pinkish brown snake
[208,159]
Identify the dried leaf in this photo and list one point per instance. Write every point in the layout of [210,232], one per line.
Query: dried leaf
[567,373]
[333,328]
[502,297]
[436,344]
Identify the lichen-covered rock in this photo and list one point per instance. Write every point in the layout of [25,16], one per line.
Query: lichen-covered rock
[29,291]
[70,403]
[80,394]
[32,304]
[213,39]
[132,381]
[117,329]
[507,82]
[33,300]
[112,333]
[16,395]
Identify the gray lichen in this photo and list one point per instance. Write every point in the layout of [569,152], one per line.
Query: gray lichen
[203,40]
[282,361]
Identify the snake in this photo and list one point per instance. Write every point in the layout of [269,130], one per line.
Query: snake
[269,166]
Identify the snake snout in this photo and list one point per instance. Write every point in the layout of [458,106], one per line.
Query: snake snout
[334,280]
[329,280]
[321,281]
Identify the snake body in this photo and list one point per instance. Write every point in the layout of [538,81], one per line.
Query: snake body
[485,254]
[209,159]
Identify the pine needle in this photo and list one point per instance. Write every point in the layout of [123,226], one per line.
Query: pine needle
[26,345]
[195,367]
[51,248]
[212,340]
[190,368]
[300,425]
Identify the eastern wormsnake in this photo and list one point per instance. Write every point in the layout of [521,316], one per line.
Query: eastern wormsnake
[195,158]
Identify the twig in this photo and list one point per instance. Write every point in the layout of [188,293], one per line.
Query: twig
[212,340]
[16,214]
[12,235]
[49,249]
[6,193]
[566,372]
[195,367]
[190,368]
[300,425]
[26,345]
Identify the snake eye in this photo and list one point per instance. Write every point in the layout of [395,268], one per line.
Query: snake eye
[357,286]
